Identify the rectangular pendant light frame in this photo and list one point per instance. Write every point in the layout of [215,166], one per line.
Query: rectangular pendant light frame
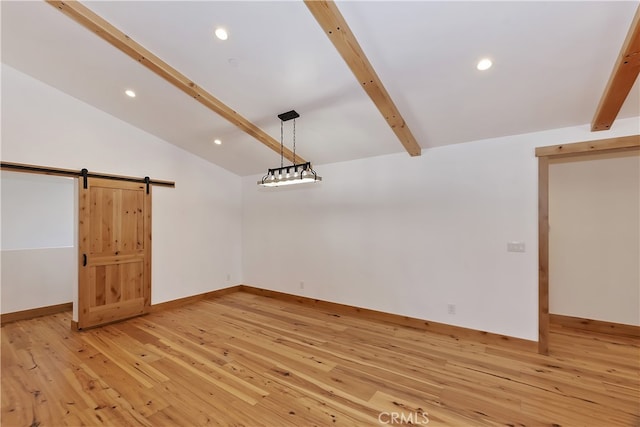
[305,173]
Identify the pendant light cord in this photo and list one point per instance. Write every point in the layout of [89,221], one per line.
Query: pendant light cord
[281,143]
[294,141]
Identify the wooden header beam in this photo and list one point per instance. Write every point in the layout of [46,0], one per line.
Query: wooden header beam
[620,143]
[333,23]
[93,22]
[624,74]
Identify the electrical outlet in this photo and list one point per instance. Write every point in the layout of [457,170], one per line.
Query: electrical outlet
[228,277]
[451,309]
[301,285]
[515,247]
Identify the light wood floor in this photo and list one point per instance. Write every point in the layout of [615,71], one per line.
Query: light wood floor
[249,360]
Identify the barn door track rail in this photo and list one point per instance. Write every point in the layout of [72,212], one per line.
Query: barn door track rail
[84,173]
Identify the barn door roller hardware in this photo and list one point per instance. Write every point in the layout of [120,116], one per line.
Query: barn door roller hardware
[85,175]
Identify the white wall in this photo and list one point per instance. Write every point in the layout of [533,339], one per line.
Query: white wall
[33,278]
[196,226]
[37,211]
[412,235]
[38,240]
[594,237]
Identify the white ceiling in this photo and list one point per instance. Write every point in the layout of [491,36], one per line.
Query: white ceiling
[551,64]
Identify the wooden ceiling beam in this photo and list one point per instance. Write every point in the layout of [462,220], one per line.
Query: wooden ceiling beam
[95,23]
[624,74]
[333,23]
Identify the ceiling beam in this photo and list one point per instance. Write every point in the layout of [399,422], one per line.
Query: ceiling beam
[336,28]
[624,74]
[93,22]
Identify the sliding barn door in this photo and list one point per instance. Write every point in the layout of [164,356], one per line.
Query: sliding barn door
[115,251]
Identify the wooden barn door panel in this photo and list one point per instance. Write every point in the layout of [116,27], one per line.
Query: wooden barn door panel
[115,251]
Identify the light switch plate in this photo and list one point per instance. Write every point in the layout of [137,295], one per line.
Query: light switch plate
[515,247]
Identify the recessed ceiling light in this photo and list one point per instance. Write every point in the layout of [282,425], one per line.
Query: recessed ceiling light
[221,33]
[484,64]
[217,142]
[130,93]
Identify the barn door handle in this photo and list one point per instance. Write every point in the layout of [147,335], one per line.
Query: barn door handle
[84,260]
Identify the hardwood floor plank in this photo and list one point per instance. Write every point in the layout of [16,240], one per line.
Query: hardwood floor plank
[175,351]
[105,374]
[144,374]
[199,402]
[248,360]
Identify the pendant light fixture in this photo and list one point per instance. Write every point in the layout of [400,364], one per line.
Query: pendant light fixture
[300,173]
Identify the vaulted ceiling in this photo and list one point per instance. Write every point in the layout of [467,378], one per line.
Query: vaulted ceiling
[552,61]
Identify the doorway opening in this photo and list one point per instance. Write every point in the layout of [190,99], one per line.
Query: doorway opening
[547,155]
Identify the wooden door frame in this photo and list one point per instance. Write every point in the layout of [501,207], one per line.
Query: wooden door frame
[544,155]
